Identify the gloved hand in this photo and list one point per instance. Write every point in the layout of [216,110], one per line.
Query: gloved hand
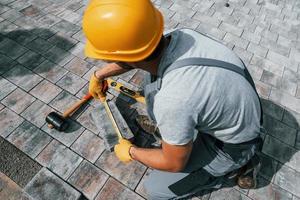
[122,150]
[98,88]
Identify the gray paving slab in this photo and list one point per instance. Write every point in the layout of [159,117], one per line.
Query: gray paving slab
[47,186]
[9,121]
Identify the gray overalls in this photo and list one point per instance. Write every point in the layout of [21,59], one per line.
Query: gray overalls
[214,154]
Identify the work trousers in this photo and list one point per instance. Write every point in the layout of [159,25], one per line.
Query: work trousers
[209,162]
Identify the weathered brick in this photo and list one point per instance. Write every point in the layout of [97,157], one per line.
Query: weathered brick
[39,45]
[269,191]
[285,99]
[288,179]
[62,41]
[36,113]
[6,63]
[10,190]
[128,174]
[78,66]
[68,136]
[8,122]
[29,139]
[15,50]
[71,82]
[50,71]
[228,193]
[23,77]
[271,78]
[59,159]
[31,60]
[272,109]
[6,87]
[18,100]
[47,186]
[89,146]
[115,190]
[236,40]
[45,91]
[88,179]
[231,29]
[280,130]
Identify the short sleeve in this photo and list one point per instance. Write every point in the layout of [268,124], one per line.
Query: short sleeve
[175,119]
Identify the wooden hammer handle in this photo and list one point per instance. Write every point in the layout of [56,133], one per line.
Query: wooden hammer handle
[74,107]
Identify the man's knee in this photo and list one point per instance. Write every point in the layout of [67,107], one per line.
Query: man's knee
[156,190]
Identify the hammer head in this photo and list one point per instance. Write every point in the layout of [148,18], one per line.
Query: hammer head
[57,121]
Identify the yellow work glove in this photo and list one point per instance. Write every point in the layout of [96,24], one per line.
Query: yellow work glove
[98,88]
[122,150]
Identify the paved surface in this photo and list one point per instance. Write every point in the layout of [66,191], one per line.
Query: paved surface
[43,68]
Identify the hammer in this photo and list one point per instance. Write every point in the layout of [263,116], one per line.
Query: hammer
[58,122]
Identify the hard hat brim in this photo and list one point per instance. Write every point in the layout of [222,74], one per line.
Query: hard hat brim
[91,51]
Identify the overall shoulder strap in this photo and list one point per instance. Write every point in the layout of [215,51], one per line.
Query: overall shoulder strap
[213,63]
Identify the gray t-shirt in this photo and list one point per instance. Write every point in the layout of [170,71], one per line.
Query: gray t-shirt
[203,99]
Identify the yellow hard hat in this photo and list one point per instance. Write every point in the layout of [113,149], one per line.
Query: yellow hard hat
[121,30]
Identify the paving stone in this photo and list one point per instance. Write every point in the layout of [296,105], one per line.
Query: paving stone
[63,101]
[45,91]
[86,120]
[19,5]
[47,186]
[291,118]
[62,41]
[243,54]
[89,146]
[58,56]
[36,113]
[15,50]
[88,179]
[140,188]
[285,99]
[48,20]
[39,45]
[272,109]
[1,106]
[78,50]
[10,190]
[267,65]
[128,174]
[281,152]
[9,121]
[6,63]
[115,190]
[72,83]
[269,191]
[6,87]
[231,29]
[31,60]
[252,37]
[79,36]
[281,60]
[18,100]
[6,27]
[29,139]
[258,50]
[23,77]
[66,27]
[268,167]
[228,193]
[68,136]
[288,179]
[59,159]
[78,66]
[182,10]
[289,82]
[280,131]
[70,16]
[11,15]
[50,71]
[236,40]
[31,11]
[271,78]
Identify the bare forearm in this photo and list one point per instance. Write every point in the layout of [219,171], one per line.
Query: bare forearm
[153,158]
[111,69]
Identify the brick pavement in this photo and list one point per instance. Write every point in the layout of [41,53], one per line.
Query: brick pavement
[43,68]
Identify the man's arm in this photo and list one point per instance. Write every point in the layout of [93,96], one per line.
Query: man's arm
[111,69]
[172,158]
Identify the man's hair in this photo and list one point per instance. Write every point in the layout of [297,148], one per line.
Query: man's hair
[157,50]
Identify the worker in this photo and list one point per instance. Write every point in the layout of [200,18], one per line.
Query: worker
[200,96]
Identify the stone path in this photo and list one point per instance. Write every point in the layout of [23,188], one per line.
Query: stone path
[43,68]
